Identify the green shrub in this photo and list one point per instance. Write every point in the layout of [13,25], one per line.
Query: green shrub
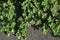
[35,12]
[8,19]
[45,12]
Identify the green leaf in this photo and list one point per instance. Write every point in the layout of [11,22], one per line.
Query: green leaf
[38,22]
[32,22]
[44,30]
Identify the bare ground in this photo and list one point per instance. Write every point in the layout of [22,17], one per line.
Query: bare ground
[32,35]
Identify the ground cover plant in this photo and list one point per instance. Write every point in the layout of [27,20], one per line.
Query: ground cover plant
[16,14]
